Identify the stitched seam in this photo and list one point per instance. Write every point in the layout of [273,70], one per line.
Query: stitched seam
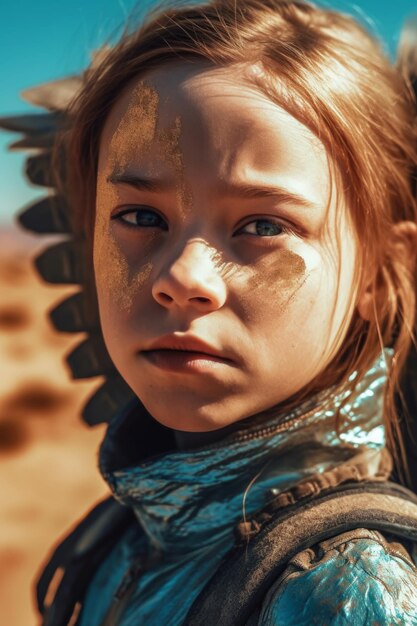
[367,534]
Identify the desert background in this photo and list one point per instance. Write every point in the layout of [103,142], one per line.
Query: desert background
[48,473]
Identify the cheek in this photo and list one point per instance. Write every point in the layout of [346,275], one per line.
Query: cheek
[267,289]
[294,300]
[117,281]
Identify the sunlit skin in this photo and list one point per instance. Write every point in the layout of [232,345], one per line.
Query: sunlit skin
[265,278]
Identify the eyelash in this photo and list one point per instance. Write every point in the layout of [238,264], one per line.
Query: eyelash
[285,229]
[119,216]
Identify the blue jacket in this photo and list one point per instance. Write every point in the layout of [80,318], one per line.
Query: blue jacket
[187,504]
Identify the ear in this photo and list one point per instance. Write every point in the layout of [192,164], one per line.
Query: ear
[403,246]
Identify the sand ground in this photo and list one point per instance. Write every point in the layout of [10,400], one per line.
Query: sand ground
[48,473]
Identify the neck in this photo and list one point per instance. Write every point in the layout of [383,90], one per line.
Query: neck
[192,440]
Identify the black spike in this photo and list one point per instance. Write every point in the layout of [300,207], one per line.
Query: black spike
[90,358]
[107,401]
[63,263]
[39,169]
[48,215]
[70,315]
[34,141]
[32,123]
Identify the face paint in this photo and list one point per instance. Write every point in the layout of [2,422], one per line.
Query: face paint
[141,114]
[287,274]
[109,260]
[169,146]
[275,280]
[284,272]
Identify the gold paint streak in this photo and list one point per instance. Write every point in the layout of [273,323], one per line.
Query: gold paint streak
[284,272]
[117,277]
[108,260]
[141,114]
[169,140]
[112,264]
[115,271]
[280,277]
[142,276]
[169,144]
[227,269]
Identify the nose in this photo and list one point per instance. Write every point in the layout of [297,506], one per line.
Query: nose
[191,280]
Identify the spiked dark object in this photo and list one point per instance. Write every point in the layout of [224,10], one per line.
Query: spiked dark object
[45,140]
[49,215]
[65,262]
[39,170]
[71,315]
[62,263]
[90,358]
[107,400]
[32,124]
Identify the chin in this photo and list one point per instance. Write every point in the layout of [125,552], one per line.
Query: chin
[196,420]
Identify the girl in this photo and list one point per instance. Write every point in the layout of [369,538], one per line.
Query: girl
[241,175]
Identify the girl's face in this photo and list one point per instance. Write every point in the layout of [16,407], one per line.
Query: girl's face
[224,263]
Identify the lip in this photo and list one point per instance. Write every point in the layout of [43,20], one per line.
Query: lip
[186,354]
[186,343]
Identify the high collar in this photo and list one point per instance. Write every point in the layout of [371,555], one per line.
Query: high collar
[187,499]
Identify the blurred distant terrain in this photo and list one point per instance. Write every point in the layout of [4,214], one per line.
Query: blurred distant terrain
[48,473]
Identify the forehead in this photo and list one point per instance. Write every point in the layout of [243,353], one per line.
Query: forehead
[225,124]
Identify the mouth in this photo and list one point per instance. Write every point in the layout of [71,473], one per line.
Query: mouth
[183,360]
[184,354]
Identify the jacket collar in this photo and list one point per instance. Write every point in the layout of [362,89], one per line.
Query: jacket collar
[185,499]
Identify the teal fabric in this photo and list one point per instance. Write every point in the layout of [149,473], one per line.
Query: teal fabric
[187,504]
[361,586]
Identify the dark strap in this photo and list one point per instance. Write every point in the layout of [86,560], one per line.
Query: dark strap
[248,571]
[239,585]
[77,558]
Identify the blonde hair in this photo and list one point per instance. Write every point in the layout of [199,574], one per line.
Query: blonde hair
[335,79]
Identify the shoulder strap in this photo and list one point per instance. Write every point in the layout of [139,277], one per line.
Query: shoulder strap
[247,572]
[74,562]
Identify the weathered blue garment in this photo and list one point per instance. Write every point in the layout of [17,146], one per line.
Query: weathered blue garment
[188,502]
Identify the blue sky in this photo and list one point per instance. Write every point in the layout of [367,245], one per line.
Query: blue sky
[45,39]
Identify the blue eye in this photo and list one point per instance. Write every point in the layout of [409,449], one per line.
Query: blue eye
[263,228]
[141,218]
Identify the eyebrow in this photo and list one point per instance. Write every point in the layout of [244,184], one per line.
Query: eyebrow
[141,183]
[229,189]
[244,190]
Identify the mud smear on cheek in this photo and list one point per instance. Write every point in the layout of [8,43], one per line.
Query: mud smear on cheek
[121,283]
[275,281]
[226,269]
[112,267]
[135,132]
[279,277]
[122,287]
